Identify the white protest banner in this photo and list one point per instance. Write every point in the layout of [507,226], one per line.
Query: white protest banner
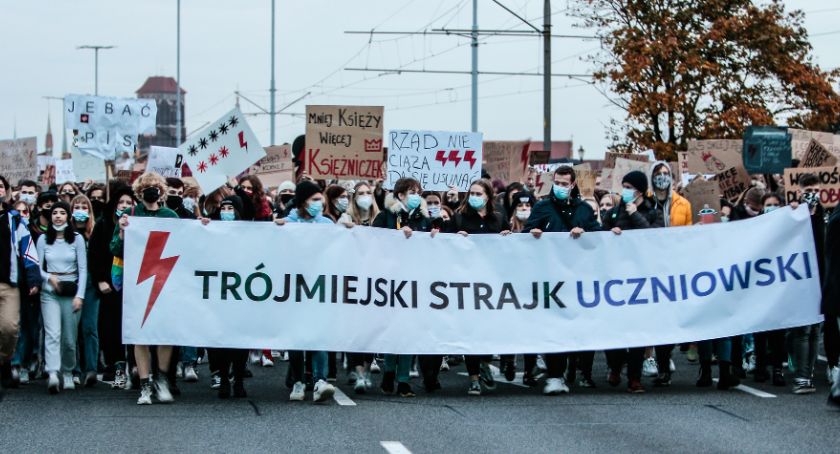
[276,167]
[64,171]
[437,159]
[829,178]
[87,167]
[221,150]
[506,160]
[165,161]
[324,292]
[344,142]
[19,159]
[106,125]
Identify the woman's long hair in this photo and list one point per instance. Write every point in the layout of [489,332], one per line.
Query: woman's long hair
[69,232]
[355,212]
[82,199]
[488,190]
[332,193]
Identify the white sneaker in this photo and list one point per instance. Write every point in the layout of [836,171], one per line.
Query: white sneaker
[216,381]
[77,381]
[162,389]
[120,381]
[52,383]
[190,375]
[835,378]
[24,376]
[361,385]
[254,356]
[179,370]
[830,373]
[541,363]
[284,358]
[145,394]
[444,365]
[68,382]
[266,361]
[323,391]
[414,372]
[555,386]
[374,367]
[649,368]
[671,366]
[298,391]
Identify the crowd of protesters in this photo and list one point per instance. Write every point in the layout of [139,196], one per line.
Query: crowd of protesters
[61,260]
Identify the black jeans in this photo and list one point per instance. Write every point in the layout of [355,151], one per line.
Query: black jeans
[775,341]
[831,340]
[110,328]
[633,357]
[474,363]
[556,364]
[227,357]
[582,361]
[430,367]
[663,358]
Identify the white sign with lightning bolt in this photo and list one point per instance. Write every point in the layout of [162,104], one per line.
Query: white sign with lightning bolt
[224,149]
[437,159]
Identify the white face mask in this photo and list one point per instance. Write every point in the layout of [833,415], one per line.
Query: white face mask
[60,228]
[364,202]
[523,215]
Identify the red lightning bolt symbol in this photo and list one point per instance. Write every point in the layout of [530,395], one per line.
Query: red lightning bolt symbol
[440,158]
[155,266]
[468,157]
[538,184]
[453,156]
[242,142]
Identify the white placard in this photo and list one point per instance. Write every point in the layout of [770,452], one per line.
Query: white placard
[165,161]
[64,171]
[106,125]
[438,159]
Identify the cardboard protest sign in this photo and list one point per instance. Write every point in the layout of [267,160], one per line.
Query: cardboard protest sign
[437,159]
[766,149]
[623,167]
[829,184]
[610,157]
[801,141]
[700,193]
[506,160]
[585,179]
[682,162]
[713,156]
[106,125]
[64,171]
[276,167]
[543,184]
[733,182]
[539,157]
[87,167]
[343,142]
[165,161]
[19,159]
[817,156]
[221,150]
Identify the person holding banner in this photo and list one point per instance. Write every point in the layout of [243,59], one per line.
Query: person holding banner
[363,209]
[336,203]
[149,188]
[255,206]
[635,211]
[563,211]
[309,208]
[89,341]
[62,254]
[831,294]
[476,216]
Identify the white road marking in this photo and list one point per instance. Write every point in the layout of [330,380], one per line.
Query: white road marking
[753,391]
[342,398]
[394,447]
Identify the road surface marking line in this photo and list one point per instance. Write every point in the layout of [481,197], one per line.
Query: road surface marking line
[342,398]
[394,447]
[753,391]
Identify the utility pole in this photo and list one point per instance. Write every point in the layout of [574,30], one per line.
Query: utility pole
[547,75]
[474,76]
[96,50]
[273,89]
[178,77]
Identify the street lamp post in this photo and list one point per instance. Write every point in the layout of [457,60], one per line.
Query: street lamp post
[581,151]
[96,50]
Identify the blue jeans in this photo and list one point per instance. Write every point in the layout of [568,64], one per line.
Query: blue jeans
[30,331]
[89,331]
[189,355]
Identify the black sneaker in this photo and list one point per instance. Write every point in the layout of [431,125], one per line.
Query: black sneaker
[662,381]
[404,390]
[224,389]
[760,375]
[387,384]
[485,374]
[705,378]
[779,378]
[239,389]
[529,380]
[510,370]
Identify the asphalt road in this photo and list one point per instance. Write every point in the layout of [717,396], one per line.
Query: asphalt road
[514,418]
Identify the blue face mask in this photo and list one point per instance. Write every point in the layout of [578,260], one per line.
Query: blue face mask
[770,209]
[342,204]
[413,201]
[434,212]
[315,208]
[476,202]
[628,195]
[227,216]
[80,216]
[562,193]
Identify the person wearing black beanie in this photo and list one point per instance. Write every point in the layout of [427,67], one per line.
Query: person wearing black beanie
[635,211]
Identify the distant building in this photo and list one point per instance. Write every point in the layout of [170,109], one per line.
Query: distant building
[48,141]
[163,90]
[560,149]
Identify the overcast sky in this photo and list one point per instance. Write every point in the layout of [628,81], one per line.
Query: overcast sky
[225,46]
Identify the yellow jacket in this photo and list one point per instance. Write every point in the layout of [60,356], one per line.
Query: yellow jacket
[680,210]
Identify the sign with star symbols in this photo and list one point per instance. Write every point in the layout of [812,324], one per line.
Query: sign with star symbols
[222,150]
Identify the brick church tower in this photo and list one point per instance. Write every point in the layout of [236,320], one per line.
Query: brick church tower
[163,91]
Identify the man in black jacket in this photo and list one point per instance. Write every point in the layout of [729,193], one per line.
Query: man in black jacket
[563,211]
[634,211]
[831,289]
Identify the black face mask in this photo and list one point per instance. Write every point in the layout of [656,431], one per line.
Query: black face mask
[603,214]
[173,202]
[286,198]
[98,207]
[151,195]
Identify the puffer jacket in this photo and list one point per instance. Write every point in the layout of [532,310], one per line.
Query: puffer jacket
[395,217]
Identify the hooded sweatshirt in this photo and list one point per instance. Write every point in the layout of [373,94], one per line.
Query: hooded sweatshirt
[676,209]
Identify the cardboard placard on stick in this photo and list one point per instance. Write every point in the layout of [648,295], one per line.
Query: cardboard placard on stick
[610,158]
[766,149]
[585,178]
[801,140]
[829,178]
[437,159]
[344,142]
[276,167]
[713,156]
[622,168]
[733,182]
[19,159]
[506,160]
[701,192]
[817,156]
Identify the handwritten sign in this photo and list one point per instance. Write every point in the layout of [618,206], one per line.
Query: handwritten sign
[817,156]
[19,159]
[829,184]
[801,141]
[106,125]
[766,149]
[585,179]
[700,193]
[64,171]
[344,142]
[438,159]
[622,168]
[506,160]
[733,182]
[711,157]
[543,184]
[610,157]
[276,167]
[165,161]
[87,167]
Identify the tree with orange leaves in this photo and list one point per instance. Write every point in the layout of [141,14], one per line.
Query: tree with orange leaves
[698,69]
